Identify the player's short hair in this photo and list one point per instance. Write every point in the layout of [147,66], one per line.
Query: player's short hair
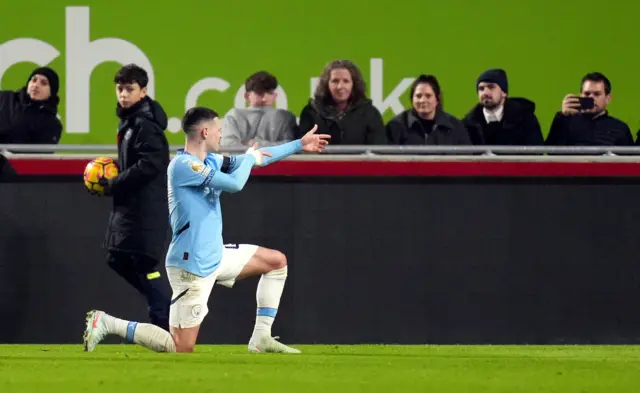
[194,116]
[261,82]
[130,74]
[597,77]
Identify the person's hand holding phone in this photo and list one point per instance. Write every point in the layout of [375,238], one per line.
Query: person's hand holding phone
[573,104]
[570,105]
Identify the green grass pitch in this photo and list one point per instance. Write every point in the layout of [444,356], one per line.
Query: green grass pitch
[322,368]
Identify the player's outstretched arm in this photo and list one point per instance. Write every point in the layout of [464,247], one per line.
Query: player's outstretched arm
[187,172]
[310,142]
[234,181]
[237,162]
[281,151]
[270,154]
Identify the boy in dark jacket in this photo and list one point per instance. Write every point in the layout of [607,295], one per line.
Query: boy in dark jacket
[138,225]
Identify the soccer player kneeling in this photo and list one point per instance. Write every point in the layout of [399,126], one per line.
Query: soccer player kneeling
[197,257]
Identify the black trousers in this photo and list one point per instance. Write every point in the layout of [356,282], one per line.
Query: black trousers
[142,273]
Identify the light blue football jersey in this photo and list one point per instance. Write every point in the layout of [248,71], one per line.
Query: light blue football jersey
[194,203]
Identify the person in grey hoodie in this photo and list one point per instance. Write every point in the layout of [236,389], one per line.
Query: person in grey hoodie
[259,123]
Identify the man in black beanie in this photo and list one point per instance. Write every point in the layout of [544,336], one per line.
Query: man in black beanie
[29,115]
[498,119]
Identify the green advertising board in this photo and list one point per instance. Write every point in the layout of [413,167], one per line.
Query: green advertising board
[201,52]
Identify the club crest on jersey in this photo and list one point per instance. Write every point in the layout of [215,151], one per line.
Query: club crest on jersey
[196,166]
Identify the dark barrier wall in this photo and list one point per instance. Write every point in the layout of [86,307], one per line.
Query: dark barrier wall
[372,260]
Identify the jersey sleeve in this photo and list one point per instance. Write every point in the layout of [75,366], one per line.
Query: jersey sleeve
[281,151]
[234,181]
[193,173]
[235,162]
[277,152]
[188,172]
[226,163]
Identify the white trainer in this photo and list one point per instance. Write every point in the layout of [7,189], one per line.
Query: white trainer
[269,344]
[95,330]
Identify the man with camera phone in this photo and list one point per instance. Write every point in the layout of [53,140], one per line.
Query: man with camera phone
[585,121]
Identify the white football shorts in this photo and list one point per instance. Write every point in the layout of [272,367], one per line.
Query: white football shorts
[191,292]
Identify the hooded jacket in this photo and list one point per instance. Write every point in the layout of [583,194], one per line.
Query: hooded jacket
[25,121]
[519,125]
[139,220]
[265,126]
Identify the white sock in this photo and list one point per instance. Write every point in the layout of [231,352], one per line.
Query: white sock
[268,299]
[145,334]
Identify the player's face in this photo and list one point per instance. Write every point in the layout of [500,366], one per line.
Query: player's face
[425,101]
[212,135]
[340,85]
[129,94]
[39,88]
[596,90]
[261,99]
[491,95]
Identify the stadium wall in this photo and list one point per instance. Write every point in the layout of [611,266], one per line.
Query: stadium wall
[459,258]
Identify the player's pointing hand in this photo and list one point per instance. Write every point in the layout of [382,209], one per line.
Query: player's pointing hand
[314,143]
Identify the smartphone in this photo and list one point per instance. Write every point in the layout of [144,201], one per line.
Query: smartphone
[586,103]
